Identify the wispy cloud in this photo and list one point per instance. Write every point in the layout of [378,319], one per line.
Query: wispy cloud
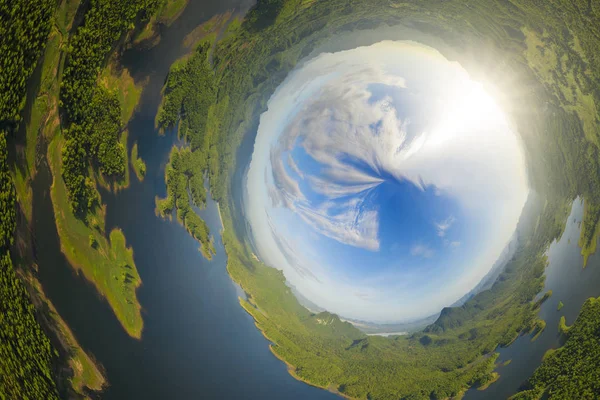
[421,250]
[442,227]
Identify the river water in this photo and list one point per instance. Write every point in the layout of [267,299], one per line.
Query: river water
[197,341]
[570,283]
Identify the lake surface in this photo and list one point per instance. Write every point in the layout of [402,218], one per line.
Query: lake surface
[570,283]
[197,341]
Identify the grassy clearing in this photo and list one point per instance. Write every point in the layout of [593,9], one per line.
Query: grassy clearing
[118,80]
[139,166]
[24,169]
[108,263]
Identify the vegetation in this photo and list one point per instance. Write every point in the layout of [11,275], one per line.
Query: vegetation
[167,12]
[85,375]
[139,166]
[41,109]
[118,80]
[563,328]
[571,372]
[105,261]
[560,306]
[189,92]
[537,329]
[26,355]
[93,113]
[24,29]
[98,138]
[549,48]
[588,240]
[98,98]
[96,107]
[95,152]
[182,164]
[488,380]
[542,299]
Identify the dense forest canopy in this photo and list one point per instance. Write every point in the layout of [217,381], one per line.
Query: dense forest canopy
[26,354]
[92,114]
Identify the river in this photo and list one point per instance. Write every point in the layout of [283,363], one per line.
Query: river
[197,340]
[570,283]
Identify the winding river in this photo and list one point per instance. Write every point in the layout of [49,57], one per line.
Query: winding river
[197,341]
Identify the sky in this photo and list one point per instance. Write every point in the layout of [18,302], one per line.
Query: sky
[384,182]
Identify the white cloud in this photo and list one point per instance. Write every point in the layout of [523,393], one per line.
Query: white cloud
[444,225]
[420,250]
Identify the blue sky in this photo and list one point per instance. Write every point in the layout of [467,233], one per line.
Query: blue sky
[384,182]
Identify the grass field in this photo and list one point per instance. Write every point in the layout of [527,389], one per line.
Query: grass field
[118,80]
[108,263]
[139,166]
[42,108]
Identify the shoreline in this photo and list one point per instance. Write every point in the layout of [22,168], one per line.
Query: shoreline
[291,369]
[133,331]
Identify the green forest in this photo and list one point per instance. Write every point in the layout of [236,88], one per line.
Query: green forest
[571,372]
[93,114]
[26,354]
[178,177]
[34,33]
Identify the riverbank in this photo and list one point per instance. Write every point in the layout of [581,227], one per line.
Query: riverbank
[291,369]
[590,230]
[138,165]
[86,374]
[106,262]
[103,257]
[169,12]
